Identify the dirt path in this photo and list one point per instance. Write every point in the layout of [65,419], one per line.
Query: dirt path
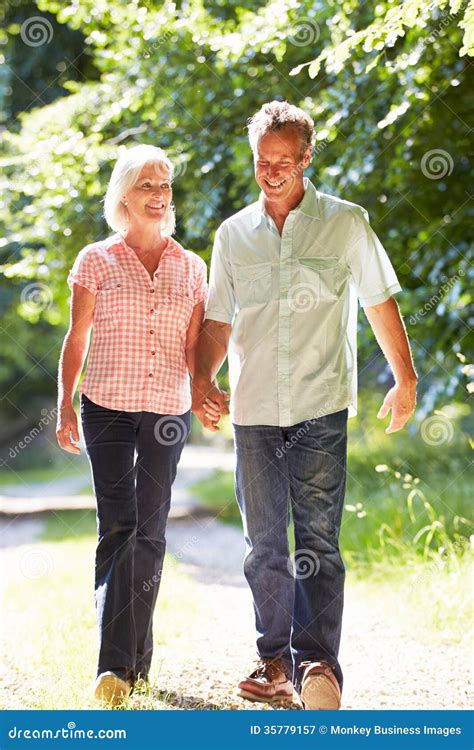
[385,664]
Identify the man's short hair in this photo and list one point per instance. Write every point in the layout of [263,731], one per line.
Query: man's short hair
[274,116]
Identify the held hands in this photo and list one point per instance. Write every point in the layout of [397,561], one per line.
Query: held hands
[401,399]
[209,403]
[65,427]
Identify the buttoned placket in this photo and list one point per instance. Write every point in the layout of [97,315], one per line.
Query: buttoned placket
[284,321]
[153,307]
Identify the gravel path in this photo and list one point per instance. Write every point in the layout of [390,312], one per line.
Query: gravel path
[386,665]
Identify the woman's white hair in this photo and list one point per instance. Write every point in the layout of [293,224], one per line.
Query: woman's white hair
[124,176]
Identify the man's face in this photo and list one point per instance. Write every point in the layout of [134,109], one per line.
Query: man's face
[279,165]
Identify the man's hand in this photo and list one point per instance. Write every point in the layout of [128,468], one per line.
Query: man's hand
[209,403]
[67,427]
[401,399]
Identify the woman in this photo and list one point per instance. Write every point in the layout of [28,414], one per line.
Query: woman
[143,297]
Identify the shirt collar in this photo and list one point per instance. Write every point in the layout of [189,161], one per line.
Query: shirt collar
[309,205]
[172,248]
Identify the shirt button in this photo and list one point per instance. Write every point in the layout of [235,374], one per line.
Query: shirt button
[153,352]
[118,284]
[152,291]
[152,310]
[152,332]
[150,374]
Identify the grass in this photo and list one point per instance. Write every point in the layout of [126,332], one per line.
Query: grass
[51,472]
[53,637]
[50,627]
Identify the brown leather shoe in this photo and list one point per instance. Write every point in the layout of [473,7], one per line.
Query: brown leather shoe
[111,689]
[319,687]
[268,683]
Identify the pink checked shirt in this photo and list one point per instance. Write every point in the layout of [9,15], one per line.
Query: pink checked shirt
[137,360]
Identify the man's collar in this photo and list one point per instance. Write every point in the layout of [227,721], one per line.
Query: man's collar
[309,205]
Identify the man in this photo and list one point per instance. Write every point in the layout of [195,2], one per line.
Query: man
[286,272]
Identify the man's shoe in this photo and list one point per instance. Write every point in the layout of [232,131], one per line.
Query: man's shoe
[319,687]
[111,689]
[268,683]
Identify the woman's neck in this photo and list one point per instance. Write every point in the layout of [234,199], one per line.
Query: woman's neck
[145,239]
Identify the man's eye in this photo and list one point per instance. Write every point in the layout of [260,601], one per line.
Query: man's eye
[165,186]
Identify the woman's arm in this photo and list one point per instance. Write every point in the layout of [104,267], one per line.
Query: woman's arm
[193,335]
[73,354]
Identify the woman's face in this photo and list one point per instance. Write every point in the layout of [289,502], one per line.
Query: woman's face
[149,199]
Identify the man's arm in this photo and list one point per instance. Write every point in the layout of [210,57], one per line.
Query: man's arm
[209,402]
[388,327]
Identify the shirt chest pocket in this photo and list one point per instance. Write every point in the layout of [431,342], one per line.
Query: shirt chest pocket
[322,275]
[253,284]
[114,299]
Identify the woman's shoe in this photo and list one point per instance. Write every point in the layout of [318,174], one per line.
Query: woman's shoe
[111,689]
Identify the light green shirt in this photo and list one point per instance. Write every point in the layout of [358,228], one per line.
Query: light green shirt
[292,303]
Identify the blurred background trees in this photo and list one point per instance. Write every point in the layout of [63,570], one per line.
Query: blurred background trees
[391,96]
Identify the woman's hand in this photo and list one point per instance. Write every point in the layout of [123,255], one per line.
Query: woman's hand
[67,426]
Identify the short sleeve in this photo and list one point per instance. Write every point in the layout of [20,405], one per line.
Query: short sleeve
[370,267]
[83,271]
[200,288]
[221,300]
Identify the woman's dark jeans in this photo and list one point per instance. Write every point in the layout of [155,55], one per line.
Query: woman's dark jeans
[134,458]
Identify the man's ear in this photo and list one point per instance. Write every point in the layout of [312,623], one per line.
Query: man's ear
[307,156]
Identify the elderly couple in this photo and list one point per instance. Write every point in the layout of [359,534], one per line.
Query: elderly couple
[286,273]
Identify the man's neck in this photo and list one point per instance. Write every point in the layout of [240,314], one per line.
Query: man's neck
[279,211]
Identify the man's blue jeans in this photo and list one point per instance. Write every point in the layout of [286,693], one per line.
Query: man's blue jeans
[298,598]
[133,494]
